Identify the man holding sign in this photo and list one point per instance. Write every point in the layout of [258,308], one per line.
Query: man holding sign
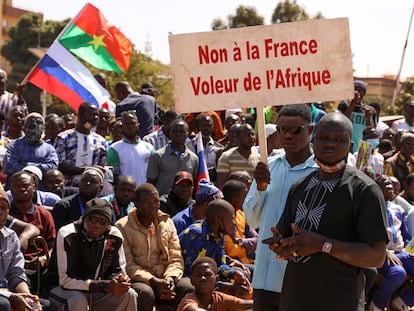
[264,204]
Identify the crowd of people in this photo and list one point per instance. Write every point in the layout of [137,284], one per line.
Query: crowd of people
[104,209]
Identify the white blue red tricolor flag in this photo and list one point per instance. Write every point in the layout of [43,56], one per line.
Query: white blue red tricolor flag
[61,74]
[202,164]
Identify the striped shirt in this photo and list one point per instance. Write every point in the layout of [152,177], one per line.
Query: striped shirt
[66,145]
[157,139]
[231,160]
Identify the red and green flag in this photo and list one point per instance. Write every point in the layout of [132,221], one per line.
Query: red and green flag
[91,37]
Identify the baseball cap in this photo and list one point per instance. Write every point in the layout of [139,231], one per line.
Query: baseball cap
[207,192]
[361,84]
[183,175]
[34,170]
[270,129]
[98,206]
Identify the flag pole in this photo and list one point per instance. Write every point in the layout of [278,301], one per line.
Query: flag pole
[24,81]
[397,79]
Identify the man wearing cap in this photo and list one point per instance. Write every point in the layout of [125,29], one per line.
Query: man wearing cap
[272,140]
[88,264]
[71,208]
[360,115]
[180,195]
[406,124]
[153,254]
[30,149]
[206,193]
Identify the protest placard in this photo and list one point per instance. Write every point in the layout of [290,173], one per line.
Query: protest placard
[260,66]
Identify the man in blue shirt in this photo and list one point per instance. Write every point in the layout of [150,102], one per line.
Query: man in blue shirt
[30,149]
[264,203]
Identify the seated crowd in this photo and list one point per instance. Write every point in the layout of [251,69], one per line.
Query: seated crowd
[109,219]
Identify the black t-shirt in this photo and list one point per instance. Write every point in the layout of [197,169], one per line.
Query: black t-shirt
[350,208]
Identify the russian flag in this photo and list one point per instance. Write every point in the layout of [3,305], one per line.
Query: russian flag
[202,164]
[62,75]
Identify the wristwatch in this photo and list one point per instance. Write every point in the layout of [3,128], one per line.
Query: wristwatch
[327,246]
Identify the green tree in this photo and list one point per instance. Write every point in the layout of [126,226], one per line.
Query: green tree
[245,16]
[30,32]
[406,93]
[290,11]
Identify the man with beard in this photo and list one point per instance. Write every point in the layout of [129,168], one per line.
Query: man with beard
[71,208]
[30,149]
[212,149]
[130,155]
[333,225]
[81,147]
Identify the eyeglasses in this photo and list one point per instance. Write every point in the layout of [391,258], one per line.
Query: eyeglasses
[294,130]
[94,219]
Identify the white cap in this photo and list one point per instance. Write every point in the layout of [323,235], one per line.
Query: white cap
[34,170]
[229,112]
[270,129]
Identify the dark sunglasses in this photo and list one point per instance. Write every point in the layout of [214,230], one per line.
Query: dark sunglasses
[294,130]
[94,219]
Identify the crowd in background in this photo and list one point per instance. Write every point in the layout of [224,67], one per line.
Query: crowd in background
[112,209]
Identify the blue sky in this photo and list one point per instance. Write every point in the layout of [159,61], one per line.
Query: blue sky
[378,28]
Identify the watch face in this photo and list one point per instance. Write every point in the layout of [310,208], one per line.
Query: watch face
[326,247]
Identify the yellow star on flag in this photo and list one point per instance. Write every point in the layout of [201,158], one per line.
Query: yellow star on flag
[97,41]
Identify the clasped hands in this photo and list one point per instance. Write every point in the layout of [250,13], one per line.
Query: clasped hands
[302,243]
[164,288]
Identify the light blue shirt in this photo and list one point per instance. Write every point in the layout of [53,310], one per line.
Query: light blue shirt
[263,209]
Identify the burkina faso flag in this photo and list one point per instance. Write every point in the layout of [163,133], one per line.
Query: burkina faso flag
[91,37]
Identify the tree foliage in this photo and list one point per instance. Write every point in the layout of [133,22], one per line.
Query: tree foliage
[290,11]
[406,93]
[245,16]
[31,32]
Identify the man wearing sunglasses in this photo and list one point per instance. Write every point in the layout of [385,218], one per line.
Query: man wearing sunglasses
[88,264]
[267,196]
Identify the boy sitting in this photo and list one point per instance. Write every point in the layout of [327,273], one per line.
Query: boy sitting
[204,277]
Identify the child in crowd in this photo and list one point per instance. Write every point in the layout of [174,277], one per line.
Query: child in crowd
[204,277]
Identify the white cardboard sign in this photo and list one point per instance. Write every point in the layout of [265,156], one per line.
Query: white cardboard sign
[261,66]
